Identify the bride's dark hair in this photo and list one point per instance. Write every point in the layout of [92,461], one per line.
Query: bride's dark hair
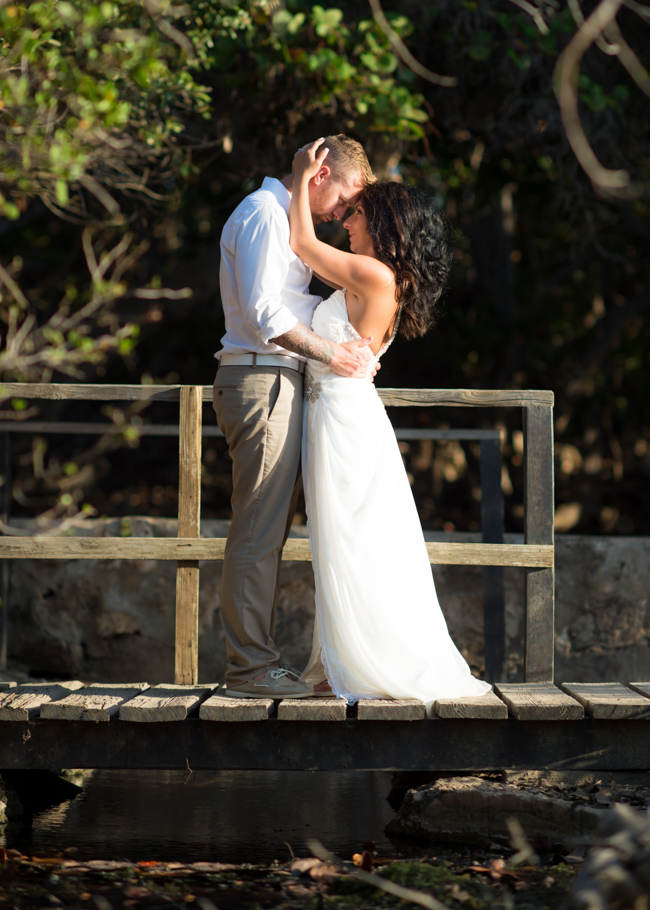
[414,239]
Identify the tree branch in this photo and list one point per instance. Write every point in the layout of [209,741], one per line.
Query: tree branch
[535,14]
[404,53]
[565,79]
[629,59]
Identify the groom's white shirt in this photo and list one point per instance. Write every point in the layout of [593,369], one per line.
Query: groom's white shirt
[264,285]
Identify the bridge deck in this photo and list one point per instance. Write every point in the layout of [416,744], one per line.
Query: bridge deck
[581,726]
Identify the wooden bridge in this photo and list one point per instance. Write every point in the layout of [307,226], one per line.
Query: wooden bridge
[530,725]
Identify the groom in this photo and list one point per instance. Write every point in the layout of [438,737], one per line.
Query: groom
[258,396]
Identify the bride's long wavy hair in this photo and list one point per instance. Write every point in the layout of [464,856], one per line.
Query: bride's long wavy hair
[414,239]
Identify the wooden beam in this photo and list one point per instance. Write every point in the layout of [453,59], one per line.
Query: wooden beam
[473,398]
[539,514]
[312,709]
[435,745]
[24,702]
[472,707]
[222,709]
[62,391]
[97,703]
[163,704]
[186,660]
[539,701]
[610,700]
[84,391]
[391,709]
[295,549]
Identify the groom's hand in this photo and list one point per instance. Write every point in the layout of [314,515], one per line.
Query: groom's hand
[352,359]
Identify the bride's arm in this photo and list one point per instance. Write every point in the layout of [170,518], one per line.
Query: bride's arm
[357,273]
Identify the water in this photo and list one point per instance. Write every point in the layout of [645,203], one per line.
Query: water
[226,816]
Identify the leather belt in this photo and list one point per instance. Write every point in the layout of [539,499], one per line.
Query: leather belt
[262,360]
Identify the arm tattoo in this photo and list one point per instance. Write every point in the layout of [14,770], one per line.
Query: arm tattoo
[302,340]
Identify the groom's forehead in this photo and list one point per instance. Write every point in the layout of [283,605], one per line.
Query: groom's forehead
[350,187]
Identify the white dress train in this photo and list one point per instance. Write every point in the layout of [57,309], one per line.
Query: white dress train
[379,630]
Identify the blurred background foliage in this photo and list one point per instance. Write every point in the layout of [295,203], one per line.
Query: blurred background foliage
[141,125]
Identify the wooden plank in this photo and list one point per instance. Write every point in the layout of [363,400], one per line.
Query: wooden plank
[610,700]
[490,554]
[642,687]
[394,397]
[7,685]
[468,397]
[539,514]
[164,703]
[539,701]
[168,548]
[436,745]
[298,549]
[472,707]
[186,655]
[391,709]
[312,709]
[75,391]
[220,707]
[97,702]
[24,702]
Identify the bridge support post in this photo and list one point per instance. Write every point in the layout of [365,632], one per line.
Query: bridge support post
[186,663]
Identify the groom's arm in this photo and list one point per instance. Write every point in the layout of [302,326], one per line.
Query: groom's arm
[348,359]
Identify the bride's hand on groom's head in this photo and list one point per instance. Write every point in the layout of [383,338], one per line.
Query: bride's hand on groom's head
[309,159]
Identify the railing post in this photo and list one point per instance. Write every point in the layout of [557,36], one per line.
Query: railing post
[186,664]
[494,610]
[539,514]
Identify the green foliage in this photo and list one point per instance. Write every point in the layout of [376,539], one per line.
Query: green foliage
[91,93]
[327,57]
[96,96]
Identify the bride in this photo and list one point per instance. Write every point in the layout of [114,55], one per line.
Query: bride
[379,630]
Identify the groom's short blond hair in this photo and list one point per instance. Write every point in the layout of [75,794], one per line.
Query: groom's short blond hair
[346,156]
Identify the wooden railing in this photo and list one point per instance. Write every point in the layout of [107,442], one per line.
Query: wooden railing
[536,555]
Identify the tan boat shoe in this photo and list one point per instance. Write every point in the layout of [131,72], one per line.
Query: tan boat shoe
[278,684]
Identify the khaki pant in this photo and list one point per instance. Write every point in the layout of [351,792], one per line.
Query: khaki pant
[259,410]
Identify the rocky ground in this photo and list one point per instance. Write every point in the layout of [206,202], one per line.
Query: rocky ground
[467,879]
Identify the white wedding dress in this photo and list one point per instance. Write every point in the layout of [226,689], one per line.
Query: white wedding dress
[379,630]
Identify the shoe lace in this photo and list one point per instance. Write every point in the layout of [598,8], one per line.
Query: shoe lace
[279,673]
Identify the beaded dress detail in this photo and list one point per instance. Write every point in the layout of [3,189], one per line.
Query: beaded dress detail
[379,630]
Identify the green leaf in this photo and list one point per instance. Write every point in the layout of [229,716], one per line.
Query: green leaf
[61,191]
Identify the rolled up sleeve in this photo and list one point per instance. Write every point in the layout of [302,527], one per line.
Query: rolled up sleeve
[262,262]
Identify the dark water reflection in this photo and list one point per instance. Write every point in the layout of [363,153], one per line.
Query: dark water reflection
[226,816]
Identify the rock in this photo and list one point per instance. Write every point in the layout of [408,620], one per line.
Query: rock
[602,608]
[35,790]
[474,810]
